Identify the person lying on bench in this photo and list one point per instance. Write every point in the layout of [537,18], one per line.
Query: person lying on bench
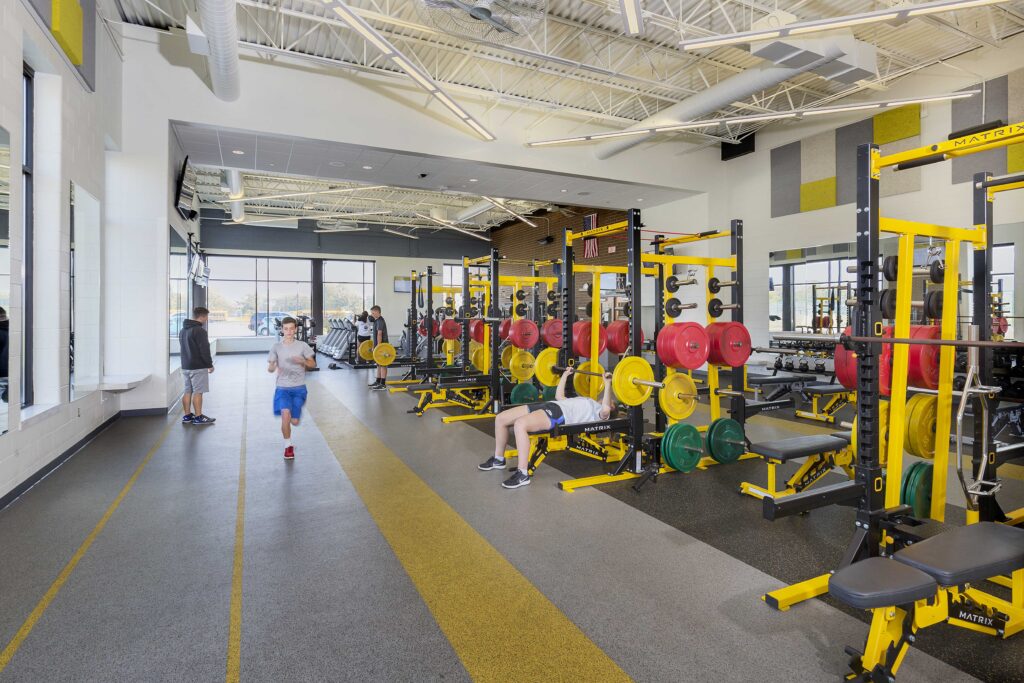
[543,417]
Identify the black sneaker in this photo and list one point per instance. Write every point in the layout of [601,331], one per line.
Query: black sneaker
[492,464]
[379,387]
[203,420]
[187,418]
[518,479]
[374,385]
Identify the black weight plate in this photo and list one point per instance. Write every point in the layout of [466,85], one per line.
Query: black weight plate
[890,268]
[937,272]
[673,307]
[553,310]
[522,310]
[933,304]
[715,308]
[520,295]
[552,295]
[887,303]
[714,285]
[672,284]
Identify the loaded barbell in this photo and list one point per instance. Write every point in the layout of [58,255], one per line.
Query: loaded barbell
[936,271]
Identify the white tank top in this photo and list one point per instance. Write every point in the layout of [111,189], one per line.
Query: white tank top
[364,329]
[579,410]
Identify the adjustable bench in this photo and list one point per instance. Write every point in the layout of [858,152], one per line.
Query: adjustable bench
[465,391]
[576,438]
[781,385]
[928,583]
[836,397]
[823,453]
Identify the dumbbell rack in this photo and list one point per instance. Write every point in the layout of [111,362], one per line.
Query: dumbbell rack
[879,525]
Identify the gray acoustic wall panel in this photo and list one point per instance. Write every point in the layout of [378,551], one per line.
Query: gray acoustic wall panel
[990,105]
[848,139]
[785,172]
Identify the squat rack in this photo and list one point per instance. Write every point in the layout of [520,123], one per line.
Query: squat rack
[879,512]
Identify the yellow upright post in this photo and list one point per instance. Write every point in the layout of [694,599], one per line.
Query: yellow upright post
[595,317]
[947,356]
[901,354]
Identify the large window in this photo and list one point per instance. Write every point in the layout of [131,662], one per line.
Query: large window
[452,274]
[27,235]
[775,299]
[820,287]
[348,288]
[246,294]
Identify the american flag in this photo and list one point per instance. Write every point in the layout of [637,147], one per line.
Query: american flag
[590,221]
[590,247]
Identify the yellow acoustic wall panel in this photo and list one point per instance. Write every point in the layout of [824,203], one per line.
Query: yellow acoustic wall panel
[818,194]
[1015,158]
[67,28]
[897,124]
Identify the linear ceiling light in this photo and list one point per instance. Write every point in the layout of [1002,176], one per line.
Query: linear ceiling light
[790,114]
[285,195]
[452,226]
[632,16]
[501,205]
[286,217]
[343,228]
[399,233]
[817,25]
[421,77]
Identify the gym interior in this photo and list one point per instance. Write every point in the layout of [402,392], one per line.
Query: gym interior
[511,340]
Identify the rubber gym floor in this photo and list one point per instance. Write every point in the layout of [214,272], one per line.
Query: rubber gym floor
[163,552]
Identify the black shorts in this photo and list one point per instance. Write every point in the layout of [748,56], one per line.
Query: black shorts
[360,340]
[552,410]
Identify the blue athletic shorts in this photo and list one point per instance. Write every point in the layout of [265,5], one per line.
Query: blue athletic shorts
[291,399]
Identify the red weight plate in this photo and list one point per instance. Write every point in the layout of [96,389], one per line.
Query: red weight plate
[551,333]
[683,345]
[885,366]
[423,328]
[846,364]
[1000,325]
[730,344]
[923,361]
[665,347]
[618,336]
[577,332]
[503,328]
[524,334]
[476,330]
[451,329]
[581,341]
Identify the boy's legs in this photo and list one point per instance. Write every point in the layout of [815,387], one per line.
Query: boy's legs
[197,404]
[537,421]
[502,422]
[186,402]
[286,426]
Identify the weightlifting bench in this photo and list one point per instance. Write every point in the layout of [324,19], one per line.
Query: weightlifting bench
[836,397]
[781,385]
[576,438]
[823,452]
[928,583]
[464,391]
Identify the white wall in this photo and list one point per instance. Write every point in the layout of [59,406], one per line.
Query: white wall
[73,128]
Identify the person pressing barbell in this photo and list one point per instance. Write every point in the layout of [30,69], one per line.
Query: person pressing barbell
[543,417]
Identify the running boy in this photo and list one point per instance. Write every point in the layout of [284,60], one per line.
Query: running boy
[290,359]
[380,335]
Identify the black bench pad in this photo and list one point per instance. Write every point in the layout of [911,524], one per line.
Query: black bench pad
[825,389]
[758,380]
[845,436]
[967,554]
[798,447]
[880,582]
[617,425]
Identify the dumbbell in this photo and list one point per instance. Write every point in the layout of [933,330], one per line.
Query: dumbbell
[715,285]
[803,365]
[716,308]
[819,366]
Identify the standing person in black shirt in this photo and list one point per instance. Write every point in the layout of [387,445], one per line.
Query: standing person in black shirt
[380,336]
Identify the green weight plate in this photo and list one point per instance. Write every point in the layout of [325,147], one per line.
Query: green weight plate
[904,482]
[726,442]
[689,447]
[922,493]
[548,394]
[909,484]
[668,446]
[524,393]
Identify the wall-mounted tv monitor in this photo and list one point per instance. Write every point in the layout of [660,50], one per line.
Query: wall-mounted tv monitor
[186,199]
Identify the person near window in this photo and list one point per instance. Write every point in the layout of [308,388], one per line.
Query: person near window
[196,366]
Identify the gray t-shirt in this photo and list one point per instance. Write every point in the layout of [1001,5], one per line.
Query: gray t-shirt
[580,410]
[291,372]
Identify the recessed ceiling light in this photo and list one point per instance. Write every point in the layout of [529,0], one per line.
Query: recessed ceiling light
[639,199]
[336,164]
[237,151]
[565,190]
[472,180]
[582,194]
[367,168]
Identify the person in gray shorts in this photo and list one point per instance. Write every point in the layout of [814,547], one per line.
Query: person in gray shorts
[196,366]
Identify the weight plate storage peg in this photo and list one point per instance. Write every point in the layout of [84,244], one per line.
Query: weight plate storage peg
[683,345]
[632,380]
[524,393]
[384,354]
[521,365]
[726,441]
[678,398]
[476,330]
[729,344]
[673,307]
[715,285]
[589,384]
[544,367]
[503,327]
[551,333]
[524,334]
[366,349]
[681,447]
[522,310]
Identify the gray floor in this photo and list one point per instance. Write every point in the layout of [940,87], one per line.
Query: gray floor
[324,596]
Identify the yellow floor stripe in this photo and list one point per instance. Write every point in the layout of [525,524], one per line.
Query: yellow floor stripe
[235,622]
[37,613]
[500,625]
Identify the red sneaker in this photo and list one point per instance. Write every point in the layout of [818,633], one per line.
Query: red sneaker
[289,453]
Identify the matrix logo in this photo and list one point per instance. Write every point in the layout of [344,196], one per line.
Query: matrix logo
[990,135]
[767,408]
[981,620]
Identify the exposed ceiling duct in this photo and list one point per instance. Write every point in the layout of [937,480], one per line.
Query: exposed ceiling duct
[723,94]
[236,191]
[220,24]
[471,212]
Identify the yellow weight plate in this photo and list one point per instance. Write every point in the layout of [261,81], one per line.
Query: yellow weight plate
[473,346]
[546,360]
[506,355]
[588,385]
[453,345]
[384,354]
[521,365]
[478,358]
[678,399]
[366,350]
[626,390]
[922,426]
[909,444]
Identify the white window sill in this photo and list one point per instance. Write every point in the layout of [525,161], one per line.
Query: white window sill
[36,413]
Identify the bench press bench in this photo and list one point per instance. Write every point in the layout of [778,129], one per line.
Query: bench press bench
[930,582]
[575,438]
[836,397]
[781,385]
[823,452]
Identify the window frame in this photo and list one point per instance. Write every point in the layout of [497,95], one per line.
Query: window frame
[261,284]
[363,283]
[28,235]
